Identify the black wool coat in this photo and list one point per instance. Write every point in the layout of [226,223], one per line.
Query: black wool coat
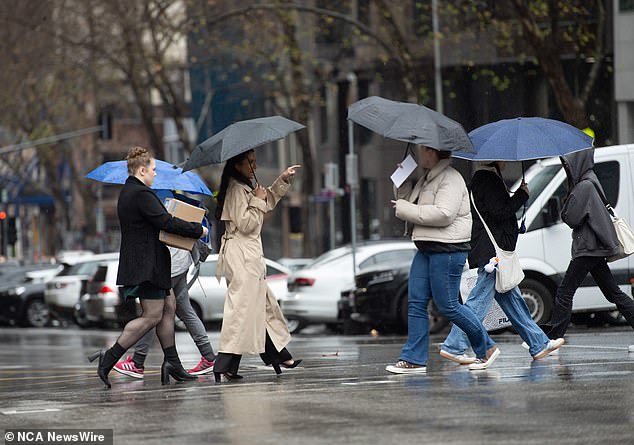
[498,210]
[141,217]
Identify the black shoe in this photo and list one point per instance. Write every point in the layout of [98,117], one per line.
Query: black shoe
[102,369]
[177,372]
[226,377]
[292,365]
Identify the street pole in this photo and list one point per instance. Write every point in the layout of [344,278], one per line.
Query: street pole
[351,173]
[437,63]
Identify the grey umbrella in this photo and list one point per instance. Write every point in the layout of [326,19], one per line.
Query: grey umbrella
[238,138]
[411,123]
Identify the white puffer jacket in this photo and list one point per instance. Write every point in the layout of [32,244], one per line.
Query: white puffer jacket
[442,211]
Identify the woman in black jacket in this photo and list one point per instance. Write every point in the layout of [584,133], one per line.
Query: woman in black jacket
[498,208]
[144,266]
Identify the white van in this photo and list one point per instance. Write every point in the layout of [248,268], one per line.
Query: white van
[544,249]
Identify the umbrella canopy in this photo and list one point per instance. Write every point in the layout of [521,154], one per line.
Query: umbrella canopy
[525,138]
[168,177]
[240,137]
[409,122]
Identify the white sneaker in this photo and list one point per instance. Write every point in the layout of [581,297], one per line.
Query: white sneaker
[631,348]
[484,363]
[555,352]
[463,359]
[403,367]
[552,346]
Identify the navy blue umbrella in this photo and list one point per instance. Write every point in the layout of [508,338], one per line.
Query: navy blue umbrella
[168,177]
[524,138]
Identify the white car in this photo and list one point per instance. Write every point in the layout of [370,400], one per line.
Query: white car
[208,296]
[63,291]
[313,292]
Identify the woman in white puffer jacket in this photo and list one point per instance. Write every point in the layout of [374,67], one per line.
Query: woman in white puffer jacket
[438,207]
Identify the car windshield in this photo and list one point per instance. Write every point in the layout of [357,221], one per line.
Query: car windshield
[538,183]
[329,256]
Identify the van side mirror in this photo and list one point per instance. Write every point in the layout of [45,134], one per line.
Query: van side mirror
[551,212]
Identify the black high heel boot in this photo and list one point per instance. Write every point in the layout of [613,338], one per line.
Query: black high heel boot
[102,369]
[178,373]
[276,367]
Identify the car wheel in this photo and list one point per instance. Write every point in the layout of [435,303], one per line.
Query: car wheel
[437,321]
[295,325]
[36,313]
[538,299]
[79,317]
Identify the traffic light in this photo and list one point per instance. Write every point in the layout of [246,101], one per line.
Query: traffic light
[12,232]
[3,215]
[104,120]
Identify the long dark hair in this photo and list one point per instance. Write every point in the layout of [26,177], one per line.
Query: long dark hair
[229,172]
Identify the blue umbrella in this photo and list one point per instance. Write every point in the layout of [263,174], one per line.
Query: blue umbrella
[524,138]
[168,177]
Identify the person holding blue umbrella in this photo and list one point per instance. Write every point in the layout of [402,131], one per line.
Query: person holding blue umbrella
[144,267]
[498,208]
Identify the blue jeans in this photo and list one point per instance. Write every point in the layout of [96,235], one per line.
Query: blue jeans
[437,276]
[513,306]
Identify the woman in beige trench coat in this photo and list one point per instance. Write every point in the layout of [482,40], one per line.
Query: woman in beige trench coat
[252,321]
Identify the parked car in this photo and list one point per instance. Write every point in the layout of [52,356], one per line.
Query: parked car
[313,292]
[22,296]
[295,264]
[63,291]
[544,250]
[102,304]
[379,300]
[208,296]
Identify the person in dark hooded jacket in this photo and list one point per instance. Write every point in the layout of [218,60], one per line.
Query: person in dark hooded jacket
[593,239]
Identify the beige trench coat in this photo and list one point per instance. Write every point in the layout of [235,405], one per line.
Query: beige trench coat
[251,308]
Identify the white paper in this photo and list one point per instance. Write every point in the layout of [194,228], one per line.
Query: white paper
[403,171]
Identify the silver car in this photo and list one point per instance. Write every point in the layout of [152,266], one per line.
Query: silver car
[62,292]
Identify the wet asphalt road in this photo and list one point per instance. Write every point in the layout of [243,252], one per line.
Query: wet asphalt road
[340,394]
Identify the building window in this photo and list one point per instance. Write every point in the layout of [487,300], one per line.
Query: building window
[626,5]
[363,11]
[332,30]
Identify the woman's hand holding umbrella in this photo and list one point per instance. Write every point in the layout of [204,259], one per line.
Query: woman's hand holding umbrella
[259,192]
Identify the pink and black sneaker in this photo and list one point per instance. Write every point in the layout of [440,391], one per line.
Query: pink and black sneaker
[203,367]
[127,367]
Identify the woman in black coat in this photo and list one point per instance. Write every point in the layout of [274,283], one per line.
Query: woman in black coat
[144,266]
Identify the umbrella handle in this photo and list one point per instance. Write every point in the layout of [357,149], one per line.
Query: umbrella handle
[407,150]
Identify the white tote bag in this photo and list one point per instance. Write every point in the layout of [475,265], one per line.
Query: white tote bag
[625,235]
[623,231]
[509,272]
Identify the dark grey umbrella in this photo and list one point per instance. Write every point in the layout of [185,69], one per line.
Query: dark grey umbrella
[411,123]
[240,137]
